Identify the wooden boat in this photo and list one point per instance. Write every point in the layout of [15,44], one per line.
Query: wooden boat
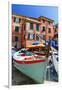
[34,67]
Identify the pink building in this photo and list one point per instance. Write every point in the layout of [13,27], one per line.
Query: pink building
[26,30]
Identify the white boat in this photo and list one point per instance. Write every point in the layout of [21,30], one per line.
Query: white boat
[55,60]
[33,66]
[54,49]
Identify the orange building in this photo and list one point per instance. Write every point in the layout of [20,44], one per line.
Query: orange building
[26,30]
[46,29]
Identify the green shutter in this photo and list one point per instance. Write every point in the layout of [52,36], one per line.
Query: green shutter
[37,27]
[16,29]
[31,25]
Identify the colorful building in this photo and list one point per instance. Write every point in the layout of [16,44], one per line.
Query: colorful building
[56,29]
[26,30]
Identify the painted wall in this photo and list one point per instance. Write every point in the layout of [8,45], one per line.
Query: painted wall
[24,30]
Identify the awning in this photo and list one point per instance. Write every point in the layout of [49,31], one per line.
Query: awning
[36,46]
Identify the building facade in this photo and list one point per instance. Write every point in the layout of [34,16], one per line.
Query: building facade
[26,30]
[55,29]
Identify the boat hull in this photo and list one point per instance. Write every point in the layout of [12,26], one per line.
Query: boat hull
[36,71]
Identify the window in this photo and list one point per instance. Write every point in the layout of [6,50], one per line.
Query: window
[16,38]
[55,30]
[37,27]
[17,20]
[31,36]
[16,29]
[48,22]
[37,37]
[43,29]
[44,37]
[49,30]
[31,25]
[24,36]
[14,19]
[49,37]
[43,21]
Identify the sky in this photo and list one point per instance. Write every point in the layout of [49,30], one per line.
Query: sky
[36,11]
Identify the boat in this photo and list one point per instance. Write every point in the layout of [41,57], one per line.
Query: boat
[55,60]
[54,57]
[54,51]
[34,66]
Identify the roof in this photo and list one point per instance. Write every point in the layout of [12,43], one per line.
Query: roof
[27,18]
[36,20]
[45,18]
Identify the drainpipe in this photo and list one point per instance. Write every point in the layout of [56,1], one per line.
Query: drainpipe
[23,33]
